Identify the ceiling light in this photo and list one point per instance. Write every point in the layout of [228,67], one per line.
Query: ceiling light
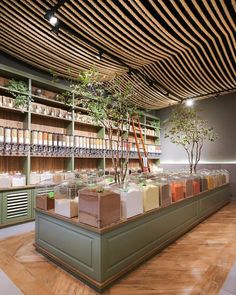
[53,20]
[189,102]
[99,55]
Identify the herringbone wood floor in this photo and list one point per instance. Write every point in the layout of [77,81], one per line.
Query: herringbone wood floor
[196,264]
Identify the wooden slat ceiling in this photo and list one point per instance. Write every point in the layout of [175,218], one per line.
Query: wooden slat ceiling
[179,49]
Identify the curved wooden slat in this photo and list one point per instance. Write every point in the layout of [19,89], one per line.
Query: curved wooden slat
[187,48]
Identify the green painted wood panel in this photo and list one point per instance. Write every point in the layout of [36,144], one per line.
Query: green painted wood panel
[75,246]
[102,256]
[122,247]
[16,206]
[212,201]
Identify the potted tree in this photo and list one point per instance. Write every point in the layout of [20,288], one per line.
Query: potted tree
[110,106]
[186,128]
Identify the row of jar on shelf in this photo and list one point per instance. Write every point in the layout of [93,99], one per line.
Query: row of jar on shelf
[59,113]
[18,179]
[13,139]
[100,202]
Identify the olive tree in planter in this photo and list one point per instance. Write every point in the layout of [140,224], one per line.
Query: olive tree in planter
[186,128]
[110,106]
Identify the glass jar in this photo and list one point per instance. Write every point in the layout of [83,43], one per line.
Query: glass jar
[20,136]
[8,135]
[49,139]
[18,179]
[34,135]
[1,134]
[177,188]
[40,137]
[164,190]
[66,199]
[45,138]
[14,133]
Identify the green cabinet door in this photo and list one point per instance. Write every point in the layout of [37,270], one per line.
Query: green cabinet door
[16,206]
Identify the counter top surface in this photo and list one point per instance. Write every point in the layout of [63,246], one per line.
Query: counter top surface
[120,223]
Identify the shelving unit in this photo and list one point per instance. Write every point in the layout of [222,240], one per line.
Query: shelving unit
[46,114]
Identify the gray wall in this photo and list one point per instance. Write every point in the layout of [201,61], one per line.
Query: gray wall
[221,114]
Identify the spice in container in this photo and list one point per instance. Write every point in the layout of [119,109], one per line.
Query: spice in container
[45,138]
[34,135]
[7,135]
[67,141]
[27,136]
[77,141]
[60,139]
[14,135]
[20,136]
[50,139]
[71,140]
[40,137]
[1,134]
[63,140]
[55,139]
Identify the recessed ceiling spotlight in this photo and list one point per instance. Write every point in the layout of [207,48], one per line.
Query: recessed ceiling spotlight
[99,55]
[53,20]
[189,102]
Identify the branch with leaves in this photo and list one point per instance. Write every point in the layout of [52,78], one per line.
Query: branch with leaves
[186,128]
[20,91]
[110,106]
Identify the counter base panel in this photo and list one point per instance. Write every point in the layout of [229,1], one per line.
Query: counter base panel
[101,258]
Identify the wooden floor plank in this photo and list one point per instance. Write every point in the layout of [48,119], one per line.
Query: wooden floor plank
[197,263]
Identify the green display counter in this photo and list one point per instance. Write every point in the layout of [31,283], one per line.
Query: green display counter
[101,256]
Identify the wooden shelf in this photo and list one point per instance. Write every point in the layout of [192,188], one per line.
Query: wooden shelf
[49,116]
[24,112]
[88,124]
[44,122]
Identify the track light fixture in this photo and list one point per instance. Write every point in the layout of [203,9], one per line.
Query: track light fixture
[99,55]
[57,24]
[50,17]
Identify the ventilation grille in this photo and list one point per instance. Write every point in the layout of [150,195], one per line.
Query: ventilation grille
[17,205]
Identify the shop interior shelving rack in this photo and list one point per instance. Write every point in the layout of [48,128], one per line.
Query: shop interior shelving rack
[27,119]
